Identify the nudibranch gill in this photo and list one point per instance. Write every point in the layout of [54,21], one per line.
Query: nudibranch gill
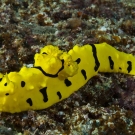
[57,74]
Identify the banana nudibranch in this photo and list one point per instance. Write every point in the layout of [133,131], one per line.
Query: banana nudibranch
[57,74]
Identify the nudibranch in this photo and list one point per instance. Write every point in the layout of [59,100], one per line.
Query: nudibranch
[57,74]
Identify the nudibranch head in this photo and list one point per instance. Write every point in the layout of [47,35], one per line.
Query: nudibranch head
[55,62]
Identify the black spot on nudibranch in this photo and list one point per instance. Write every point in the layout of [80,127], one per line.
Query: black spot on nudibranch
[44,93]
[120,68]
[97,64]
[22,83]
[67,82]
[0,79]
[7,94]
[129,68]
[44,53]
[111,62]
[84,74]
[78,60]
[29,101]
[59,95]
[5,84]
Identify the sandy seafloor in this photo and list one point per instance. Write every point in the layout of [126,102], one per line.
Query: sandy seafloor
[106,104]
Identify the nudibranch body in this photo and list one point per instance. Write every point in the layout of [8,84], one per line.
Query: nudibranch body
[57,74]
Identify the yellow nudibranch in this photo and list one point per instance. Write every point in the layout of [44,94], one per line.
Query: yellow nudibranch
[57,74]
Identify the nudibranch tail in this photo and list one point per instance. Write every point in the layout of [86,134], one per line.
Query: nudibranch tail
[57,74]
[112,60]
